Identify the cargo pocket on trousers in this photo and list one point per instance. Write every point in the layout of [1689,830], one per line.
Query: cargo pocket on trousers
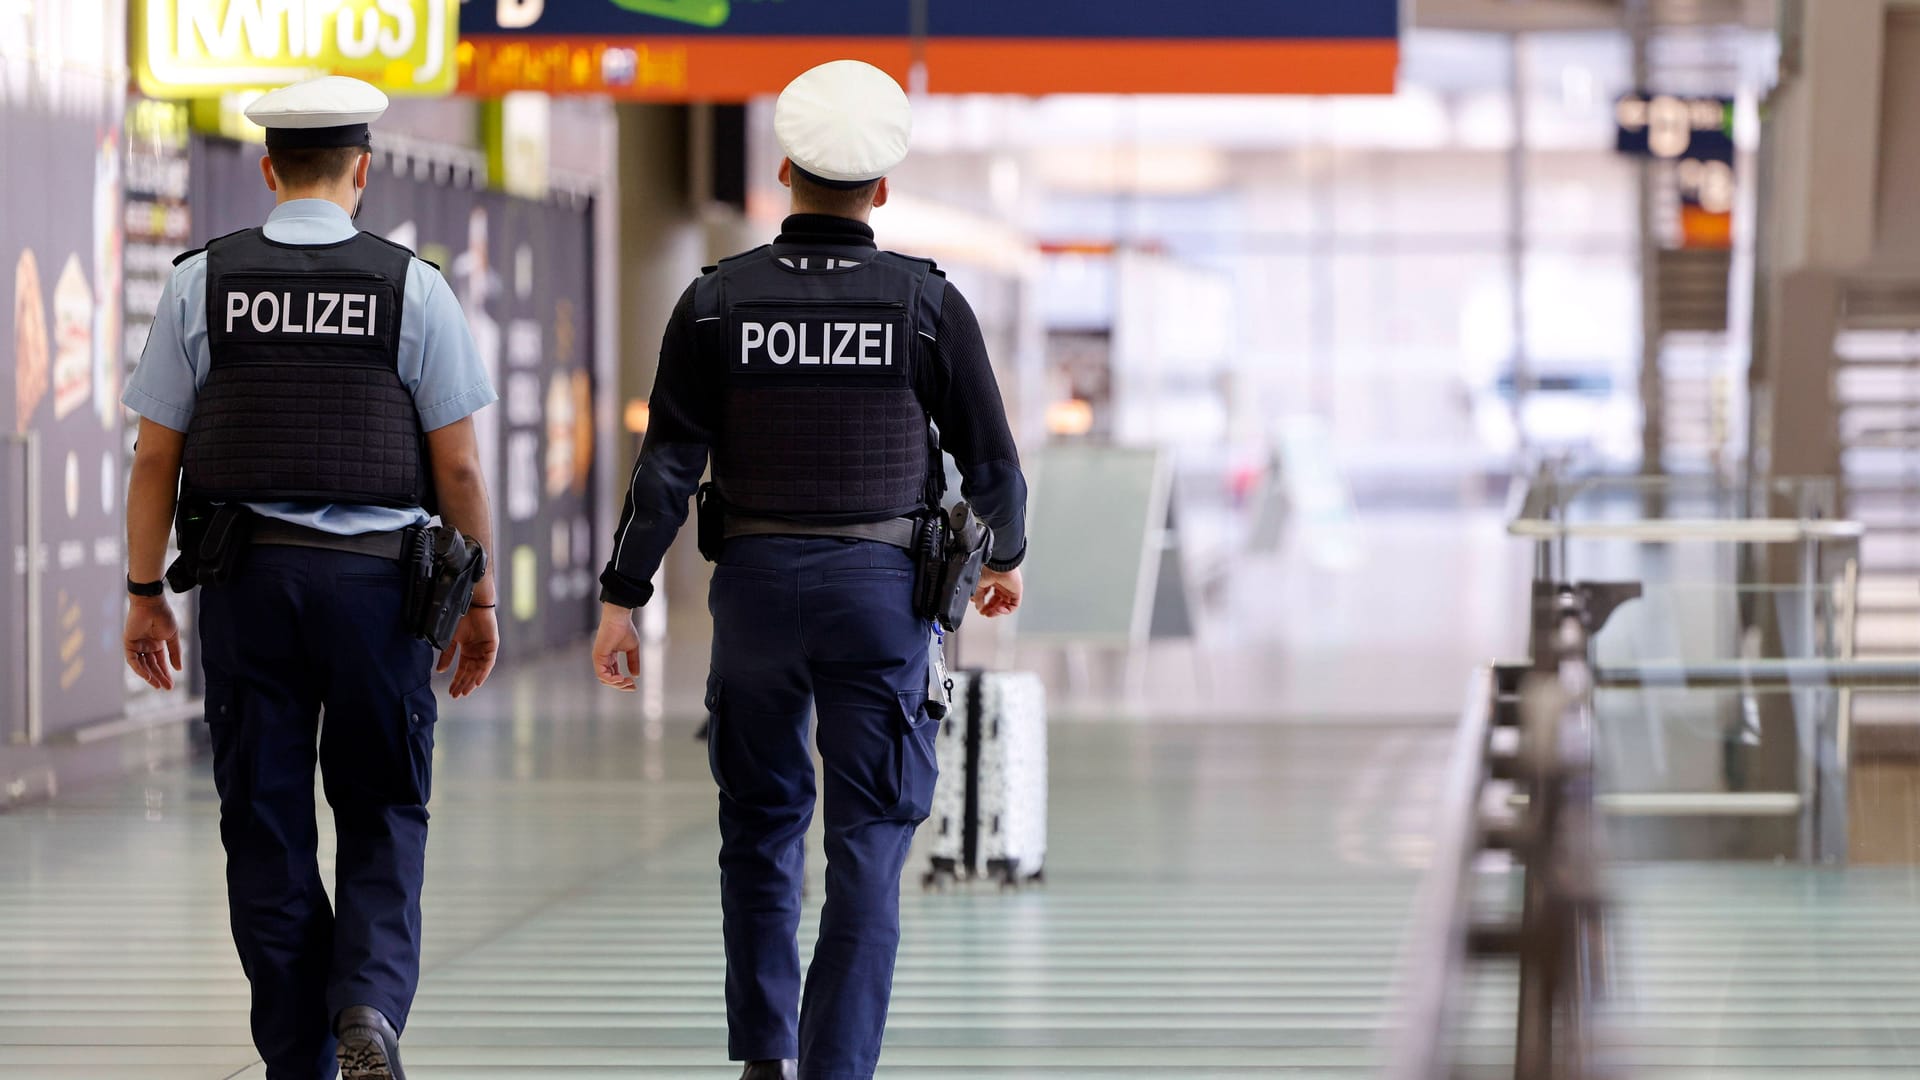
[223,726]
[423,709]
[919,768]
[716,694]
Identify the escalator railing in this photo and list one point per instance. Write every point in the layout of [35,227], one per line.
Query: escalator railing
[1760,584]
[1517,874]
[1520,782]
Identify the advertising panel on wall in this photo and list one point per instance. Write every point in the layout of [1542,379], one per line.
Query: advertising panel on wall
[157,228]
[523,272]
[197,48]
[62,95]
[13,587]
[733,50]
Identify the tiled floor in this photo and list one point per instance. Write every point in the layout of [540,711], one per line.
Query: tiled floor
[1226,896]
[1225,899]
[1744,971]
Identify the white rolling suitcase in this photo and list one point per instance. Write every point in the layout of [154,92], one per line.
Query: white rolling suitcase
[990,807]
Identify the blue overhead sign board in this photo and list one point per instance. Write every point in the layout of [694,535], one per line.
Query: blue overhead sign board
[733,49]
[749,18]
[1696,133]
[1138,19]
[1674,128]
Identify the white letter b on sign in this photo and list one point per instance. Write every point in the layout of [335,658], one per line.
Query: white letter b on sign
[520,14]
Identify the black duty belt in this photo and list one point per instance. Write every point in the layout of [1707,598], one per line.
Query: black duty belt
[380,545]
[898,532]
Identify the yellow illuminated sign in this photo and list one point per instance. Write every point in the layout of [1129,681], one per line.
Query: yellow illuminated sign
[201,48]
[226,115]
[160,122]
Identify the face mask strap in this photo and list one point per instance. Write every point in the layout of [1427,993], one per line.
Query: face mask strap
[360,192]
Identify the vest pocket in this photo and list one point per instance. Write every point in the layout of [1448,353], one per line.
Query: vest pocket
[919,769]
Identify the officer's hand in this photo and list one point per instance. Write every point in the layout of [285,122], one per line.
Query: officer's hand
[151,631]
[616,638]
[998,594]
[476,641]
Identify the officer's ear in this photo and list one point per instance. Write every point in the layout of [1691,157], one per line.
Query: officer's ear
[786,172]
[880,194]
[360,171]
[266,170]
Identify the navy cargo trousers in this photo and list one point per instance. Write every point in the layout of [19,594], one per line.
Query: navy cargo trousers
[826,626]
[295,631]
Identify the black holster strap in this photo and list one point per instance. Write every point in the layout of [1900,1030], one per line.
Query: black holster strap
[381,545]
[898,532]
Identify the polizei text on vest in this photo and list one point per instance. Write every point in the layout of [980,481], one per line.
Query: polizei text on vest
[818,343]
[345,313]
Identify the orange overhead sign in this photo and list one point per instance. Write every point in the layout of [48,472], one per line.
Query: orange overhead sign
[660,68]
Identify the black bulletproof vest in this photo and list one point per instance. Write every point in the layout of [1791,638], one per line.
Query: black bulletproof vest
[820,420]
[303,401]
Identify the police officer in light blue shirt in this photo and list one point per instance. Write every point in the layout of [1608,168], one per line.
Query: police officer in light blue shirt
[325,380]
[438,362]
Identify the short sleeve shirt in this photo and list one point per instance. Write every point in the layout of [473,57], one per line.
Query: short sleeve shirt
[438,361]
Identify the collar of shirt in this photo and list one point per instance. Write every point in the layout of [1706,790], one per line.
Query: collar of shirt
[823,229]
[309,222]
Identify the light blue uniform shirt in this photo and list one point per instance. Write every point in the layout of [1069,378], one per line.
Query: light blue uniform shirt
[438,361]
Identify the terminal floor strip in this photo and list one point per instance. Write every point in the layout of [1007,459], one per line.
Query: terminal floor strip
[1224,900]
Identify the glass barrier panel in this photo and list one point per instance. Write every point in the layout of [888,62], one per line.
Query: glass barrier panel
[1643,498]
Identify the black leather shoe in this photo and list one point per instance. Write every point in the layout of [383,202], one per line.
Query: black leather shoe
[772,1070]
[369,1047]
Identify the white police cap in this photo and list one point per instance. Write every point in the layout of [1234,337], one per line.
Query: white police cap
[330,111]
[846,123]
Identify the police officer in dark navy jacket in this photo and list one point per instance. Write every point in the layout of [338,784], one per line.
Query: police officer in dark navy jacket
[324,380]
[808,371]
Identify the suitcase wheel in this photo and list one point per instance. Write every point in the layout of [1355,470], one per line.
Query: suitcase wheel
[941,876]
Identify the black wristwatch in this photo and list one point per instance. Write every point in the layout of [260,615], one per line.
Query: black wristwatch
[146,588]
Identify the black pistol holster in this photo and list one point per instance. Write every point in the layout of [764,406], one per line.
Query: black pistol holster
[442,566]
[949,554]
[710,521]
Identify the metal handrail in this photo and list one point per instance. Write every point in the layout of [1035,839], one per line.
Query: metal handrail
[1846,634]
[1560,940]
[1678,804]
[1557,936]
[1438,946]
[1780,674]
[1714,530]
[1745,804]
[1541,517]
[1548,491]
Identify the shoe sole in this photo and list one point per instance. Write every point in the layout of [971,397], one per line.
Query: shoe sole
[363,1056]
